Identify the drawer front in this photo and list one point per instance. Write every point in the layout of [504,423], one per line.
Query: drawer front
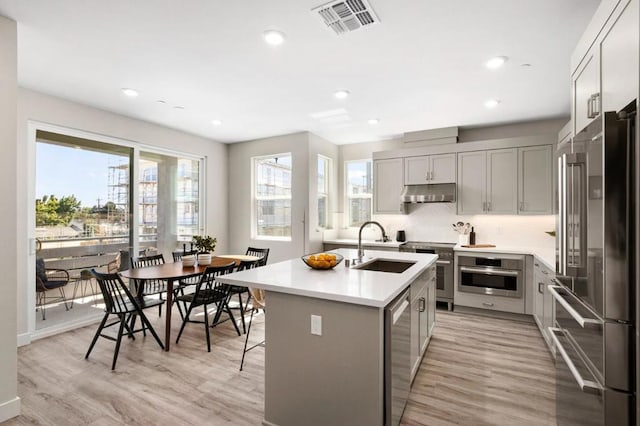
[494,303]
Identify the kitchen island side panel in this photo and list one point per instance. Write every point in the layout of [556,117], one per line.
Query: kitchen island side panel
[333,379]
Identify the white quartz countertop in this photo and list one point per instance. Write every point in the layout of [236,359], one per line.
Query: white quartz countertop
[341,284]
[545,255]
[368,243]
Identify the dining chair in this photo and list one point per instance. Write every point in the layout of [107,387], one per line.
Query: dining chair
[49,279]
[259,302]
[209,292]
[150,287]
[119,301]
[262,253]
[240,290]
[183,282]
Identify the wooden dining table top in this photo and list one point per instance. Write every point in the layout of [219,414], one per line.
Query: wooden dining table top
[175,270]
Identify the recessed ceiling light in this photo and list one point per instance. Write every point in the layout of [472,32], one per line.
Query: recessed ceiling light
[496,62]
[525,65]
[178,107]
[492,103]
[341,94]
[130,92]
[273,37]
[216,122]
[160,101]
[373,121]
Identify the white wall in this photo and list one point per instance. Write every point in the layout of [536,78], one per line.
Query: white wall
[47,109]
[9,402]
[240,193]
[320,146]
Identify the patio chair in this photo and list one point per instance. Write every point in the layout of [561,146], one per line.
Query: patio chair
[49,279]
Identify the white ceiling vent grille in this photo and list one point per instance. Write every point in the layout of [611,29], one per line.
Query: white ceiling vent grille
[344,16]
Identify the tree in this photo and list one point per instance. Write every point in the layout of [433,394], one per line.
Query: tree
[53,211]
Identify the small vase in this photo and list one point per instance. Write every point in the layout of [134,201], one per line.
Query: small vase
[463,239]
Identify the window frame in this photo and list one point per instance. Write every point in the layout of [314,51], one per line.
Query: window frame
[255,198]
[326,194]
[348,197]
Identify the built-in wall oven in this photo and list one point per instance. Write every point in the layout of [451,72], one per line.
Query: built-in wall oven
[444,266]
[497,276]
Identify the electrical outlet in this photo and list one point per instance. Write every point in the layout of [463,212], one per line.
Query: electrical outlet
[316,325]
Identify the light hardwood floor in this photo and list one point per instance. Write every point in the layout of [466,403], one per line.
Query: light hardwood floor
[476,371]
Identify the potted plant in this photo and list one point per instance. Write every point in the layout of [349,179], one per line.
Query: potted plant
[204,244]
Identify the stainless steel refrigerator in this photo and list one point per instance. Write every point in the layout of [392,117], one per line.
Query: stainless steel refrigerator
[596,287]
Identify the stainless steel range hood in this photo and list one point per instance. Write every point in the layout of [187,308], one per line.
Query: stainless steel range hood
[433,193]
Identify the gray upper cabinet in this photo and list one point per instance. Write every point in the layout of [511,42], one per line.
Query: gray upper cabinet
[430,169]
[619,60]
[487,182]
[586,91]
[387,186]
[472,178]
[535,180]
[502,178]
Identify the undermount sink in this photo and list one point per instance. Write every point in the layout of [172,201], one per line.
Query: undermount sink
[386,265]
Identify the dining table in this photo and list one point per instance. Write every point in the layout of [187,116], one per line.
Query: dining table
[175,271]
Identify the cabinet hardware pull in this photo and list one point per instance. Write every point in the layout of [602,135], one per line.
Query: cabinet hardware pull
[484,206]
[541,290]
[489,206]
[535,264]
[589,108]
[487,304]
[423,304]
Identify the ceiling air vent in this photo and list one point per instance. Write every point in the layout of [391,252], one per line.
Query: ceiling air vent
[344,16]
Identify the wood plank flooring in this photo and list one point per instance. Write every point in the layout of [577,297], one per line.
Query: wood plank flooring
[477,370]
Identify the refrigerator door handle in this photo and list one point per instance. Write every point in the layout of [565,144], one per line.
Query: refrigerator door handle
[588,386]
[562,215]
[574,314]
[577,162]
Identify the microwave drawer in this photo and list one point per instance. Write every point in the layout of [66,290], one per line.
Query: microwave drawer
[494,303]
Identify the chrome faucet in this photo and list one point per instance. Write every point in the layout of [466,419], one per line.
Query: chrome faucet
[360,249]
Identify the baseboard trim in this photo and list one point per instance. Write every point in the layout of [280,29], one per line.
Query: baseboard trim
[9,409]
[24,339]
[68,326]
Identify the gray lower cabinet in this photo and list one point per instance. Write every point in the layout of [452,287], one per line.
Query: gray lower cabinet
[543,307]
[423,311]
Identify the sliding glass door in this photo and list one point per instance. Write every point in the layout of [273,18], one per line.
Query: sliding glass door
[98,204]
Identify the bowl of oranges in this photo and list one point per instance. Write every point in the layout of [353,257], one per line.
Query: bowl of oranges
[322,260]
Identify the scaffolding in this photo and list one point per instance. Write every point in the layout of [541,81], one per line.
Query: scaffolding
[118,182]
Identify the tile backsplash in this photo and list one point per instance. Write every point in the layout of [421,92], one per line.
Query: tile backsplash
[432,222]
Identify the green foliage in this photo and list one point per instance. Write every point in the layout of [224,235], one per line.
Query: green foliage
[205,244]
[53,211]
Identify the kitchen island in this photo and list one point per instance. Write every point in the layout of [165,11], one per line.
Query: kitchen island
[336,375]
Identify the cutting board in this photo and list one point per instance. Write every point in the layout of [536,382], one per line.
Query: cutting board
[478,246]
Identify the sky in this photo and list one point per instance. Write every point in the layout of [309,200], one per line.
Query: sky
[64,171]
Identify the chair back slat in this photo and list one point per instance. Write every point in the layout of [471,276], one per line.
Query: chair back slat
[177,255]
[144,261]
[262,253]
[150,286]
[208,278]
[248,264]
[115,293]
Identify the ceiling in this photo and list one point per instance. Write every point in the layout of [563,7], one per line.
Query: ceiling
[421,67]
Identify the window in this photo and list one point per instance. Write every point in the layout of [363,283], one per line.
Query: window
[324,165]
[272,197]
[358,192]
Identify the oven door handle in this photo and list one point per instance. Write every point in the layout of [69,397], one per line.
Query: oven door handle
[490,271]
[443,262]
[576,316]
[588,386]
